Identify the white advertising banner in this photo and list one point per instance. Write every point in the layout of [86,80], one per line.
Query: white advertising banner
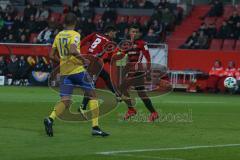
[158,56]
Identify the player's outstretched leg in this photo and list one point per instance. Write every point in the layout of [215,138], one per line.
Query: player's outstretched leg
[58,110]
[148,104]
[107,79]
[127,99]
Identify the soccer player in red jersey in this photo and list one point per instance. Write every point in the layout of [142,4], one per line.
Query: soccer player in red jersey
[135,73]
[96,44]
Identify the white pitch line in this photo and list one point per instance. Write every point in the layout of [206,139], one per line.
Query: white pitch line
[194,102]
[168,149]
[145,157]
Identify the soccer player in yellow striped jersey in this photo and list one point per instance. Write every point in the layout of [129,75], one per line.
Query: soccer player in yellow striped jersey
[69,64]
[72,73]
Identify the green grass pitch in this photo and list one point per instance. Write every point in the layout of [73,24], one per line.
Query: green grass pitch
[212,132]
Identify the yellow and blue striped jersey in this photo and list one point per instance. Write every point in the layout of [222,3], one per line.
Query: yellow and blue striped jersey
[69,64]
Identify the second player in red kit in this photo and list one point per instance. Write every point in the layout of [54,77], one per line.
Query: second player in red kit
[135,73]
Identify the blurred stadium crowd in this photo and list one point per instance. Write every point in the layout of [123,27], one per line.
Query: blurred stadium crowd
[228,28]
[39,24]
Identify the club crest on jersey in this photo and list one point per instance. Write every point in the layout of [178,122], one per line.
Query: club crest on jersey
[77,39]
[135,46]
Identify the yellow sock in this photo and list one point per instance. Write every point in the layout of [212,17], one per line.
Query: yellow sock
[93,105]
[58,110]
[53,114]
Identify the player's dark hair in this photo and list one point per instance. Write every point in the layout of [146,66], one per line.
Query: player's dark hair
[108,29]
[70,19]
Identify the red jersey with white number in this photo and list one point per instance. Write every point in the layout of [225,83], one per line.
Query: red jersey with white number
[95,43]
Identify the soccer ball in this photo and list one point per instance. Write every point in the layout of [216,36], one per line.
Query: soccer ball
[230,82]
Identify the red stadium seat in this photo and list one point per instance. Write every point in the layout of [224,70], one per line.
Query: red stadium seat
[237,47]
[228,10]
[210,20]
[119,17]
[97,18]
[144,19]
[175,43]
[216,44]
[219,22]
[238,8]
[131,19]
[228,45]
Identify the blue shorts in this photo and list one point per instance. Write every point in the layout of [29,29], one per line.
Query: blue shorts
[68,82]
